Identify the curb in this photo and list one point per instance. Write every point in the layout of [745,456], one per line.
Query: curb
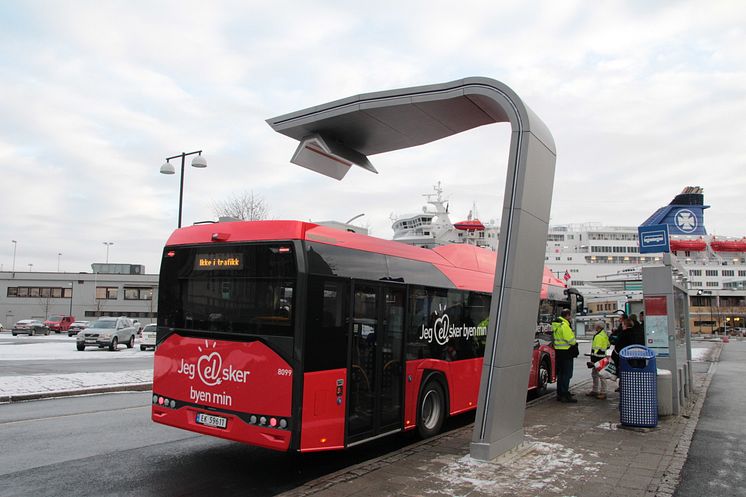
[133,387]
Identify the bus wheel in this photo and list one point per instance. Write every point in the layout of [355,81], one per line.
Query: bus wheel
[431,410]
[542,379]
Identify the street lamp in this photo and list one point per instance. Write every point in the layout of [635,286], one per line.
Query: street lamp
[168,168]
[15,244]
[59,254]
[71,299]
[30,266]
[108,244]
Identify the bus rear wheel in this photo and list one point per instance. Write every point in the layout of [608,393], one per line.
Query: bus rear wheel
[431,409]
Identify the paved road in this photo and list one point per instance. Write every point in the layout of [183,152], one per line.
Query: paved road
[716,465]
[106,445]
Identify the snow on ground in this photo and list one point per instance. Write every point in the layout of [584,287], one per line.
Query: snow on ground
[35,384]
[59,348]
[703,354]
[549,466]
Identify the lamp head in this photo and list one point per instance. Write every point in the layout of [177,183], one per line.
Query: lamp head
[167,168]
[199,161]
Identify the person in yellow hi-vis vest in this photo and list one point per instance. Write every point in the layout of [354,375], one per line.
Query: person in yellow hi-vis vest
[599,346]
[564,346]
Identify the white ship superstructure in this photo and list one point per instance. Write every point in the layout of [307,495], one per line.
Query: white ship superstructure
[433,227]
[593,254]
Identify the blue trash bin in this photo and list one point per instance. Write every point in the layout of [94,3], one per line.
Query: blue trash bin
[638,391]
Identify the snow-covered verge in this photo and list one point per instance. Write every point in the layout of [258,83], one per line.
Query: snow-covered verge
[17,385]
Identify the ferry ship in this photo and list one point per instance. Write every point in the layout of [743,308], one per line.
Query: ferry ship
[604,262]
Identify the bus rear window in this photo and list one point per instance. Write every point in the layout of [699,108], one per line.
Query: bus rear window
[245,289]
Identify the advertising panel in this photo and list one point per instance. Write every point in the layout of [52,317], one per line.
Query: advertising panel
[656,324]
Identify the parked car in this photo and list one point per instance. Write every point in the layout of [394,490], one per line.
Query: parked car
[76,327]
[107,332]
[148,337]
[58,323]
[30,327]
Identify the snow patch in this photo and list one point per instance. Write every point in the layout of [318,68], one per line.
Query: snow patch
[608,426]
[549,467]
[702,354]
[53,348]
[36,384]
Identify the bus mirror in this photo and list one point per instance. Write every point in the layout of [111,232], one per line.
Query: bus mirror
[328,157]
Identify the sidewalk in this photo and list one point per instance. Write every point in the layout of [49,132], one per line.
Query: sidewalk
[569,450]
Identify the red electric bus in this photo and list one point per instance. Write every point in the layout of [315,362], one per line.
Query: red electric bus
[294,336]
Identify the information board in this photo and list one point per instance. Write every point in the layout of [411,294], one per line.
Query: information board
[656,324]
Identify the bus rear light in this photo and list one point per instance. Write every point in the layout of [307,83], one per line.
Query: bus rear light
[272,422]
[220,237]
[170,253]
[155,399]
[160,400]
[323,440]
[284,250]
[262,420]
[283,423]
[252,419]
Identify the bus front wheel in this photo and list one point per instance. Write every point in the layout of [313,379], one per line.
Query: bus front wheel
[542,379]
[431,410]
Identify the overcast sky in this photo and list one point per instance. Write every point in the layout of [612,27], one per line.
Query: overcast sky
[642,98]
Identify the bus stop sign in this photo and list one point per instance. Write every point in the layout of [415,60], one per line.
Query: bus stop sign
[654,239]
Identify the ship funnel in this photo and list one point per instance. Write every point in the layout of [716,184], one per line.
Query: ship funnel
[684,215]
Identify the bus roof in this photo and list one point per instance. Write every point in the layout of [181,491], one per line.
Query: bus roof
[467,266]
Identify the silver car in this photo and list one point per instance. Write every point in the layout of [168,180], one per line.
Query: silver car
[148,337]
[107,332]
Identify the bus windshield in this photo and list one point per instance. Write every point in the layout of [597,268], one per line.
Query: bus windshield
[233,289]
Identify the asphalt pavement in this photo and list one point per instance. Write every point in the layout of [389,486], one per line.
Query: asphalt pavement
[716,463]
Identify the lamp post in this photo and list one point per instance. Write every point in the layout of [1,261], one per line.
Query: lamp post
[108,244]
[15,244]
[71,299]
[59,254]
[30,266]
[168,168]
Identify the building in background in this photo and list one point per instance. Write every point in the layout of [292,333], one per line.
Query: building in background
[110,290]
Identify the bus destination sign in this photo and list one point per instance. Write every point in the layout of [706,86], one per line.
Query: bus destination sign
[218,261]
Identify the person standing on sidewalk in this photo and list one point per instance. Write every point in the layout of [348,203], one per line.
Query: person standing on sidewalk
[599,346]
[564,340]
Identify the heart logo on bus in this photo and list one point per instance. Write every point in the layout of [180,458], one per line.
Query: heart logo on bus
[209,368]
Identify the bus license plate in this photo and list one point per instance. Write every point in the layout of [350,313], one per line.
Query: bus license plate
[210,420]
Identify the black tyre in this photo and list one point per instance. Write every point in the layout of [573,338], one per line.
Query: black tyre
[14,334]
[114,344]
[142,347]
[543,375]
[431,409]
[131,343]
[80,346]
[31,333]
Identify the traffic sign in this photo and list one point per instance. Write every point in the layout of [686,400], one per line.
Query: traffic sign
[653,239]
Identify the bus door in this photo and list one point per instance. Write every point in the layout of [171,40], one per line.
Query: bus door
[375,368]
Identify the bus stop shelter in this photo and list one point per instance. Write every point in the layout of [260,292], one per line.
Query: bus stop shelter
[336,135]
